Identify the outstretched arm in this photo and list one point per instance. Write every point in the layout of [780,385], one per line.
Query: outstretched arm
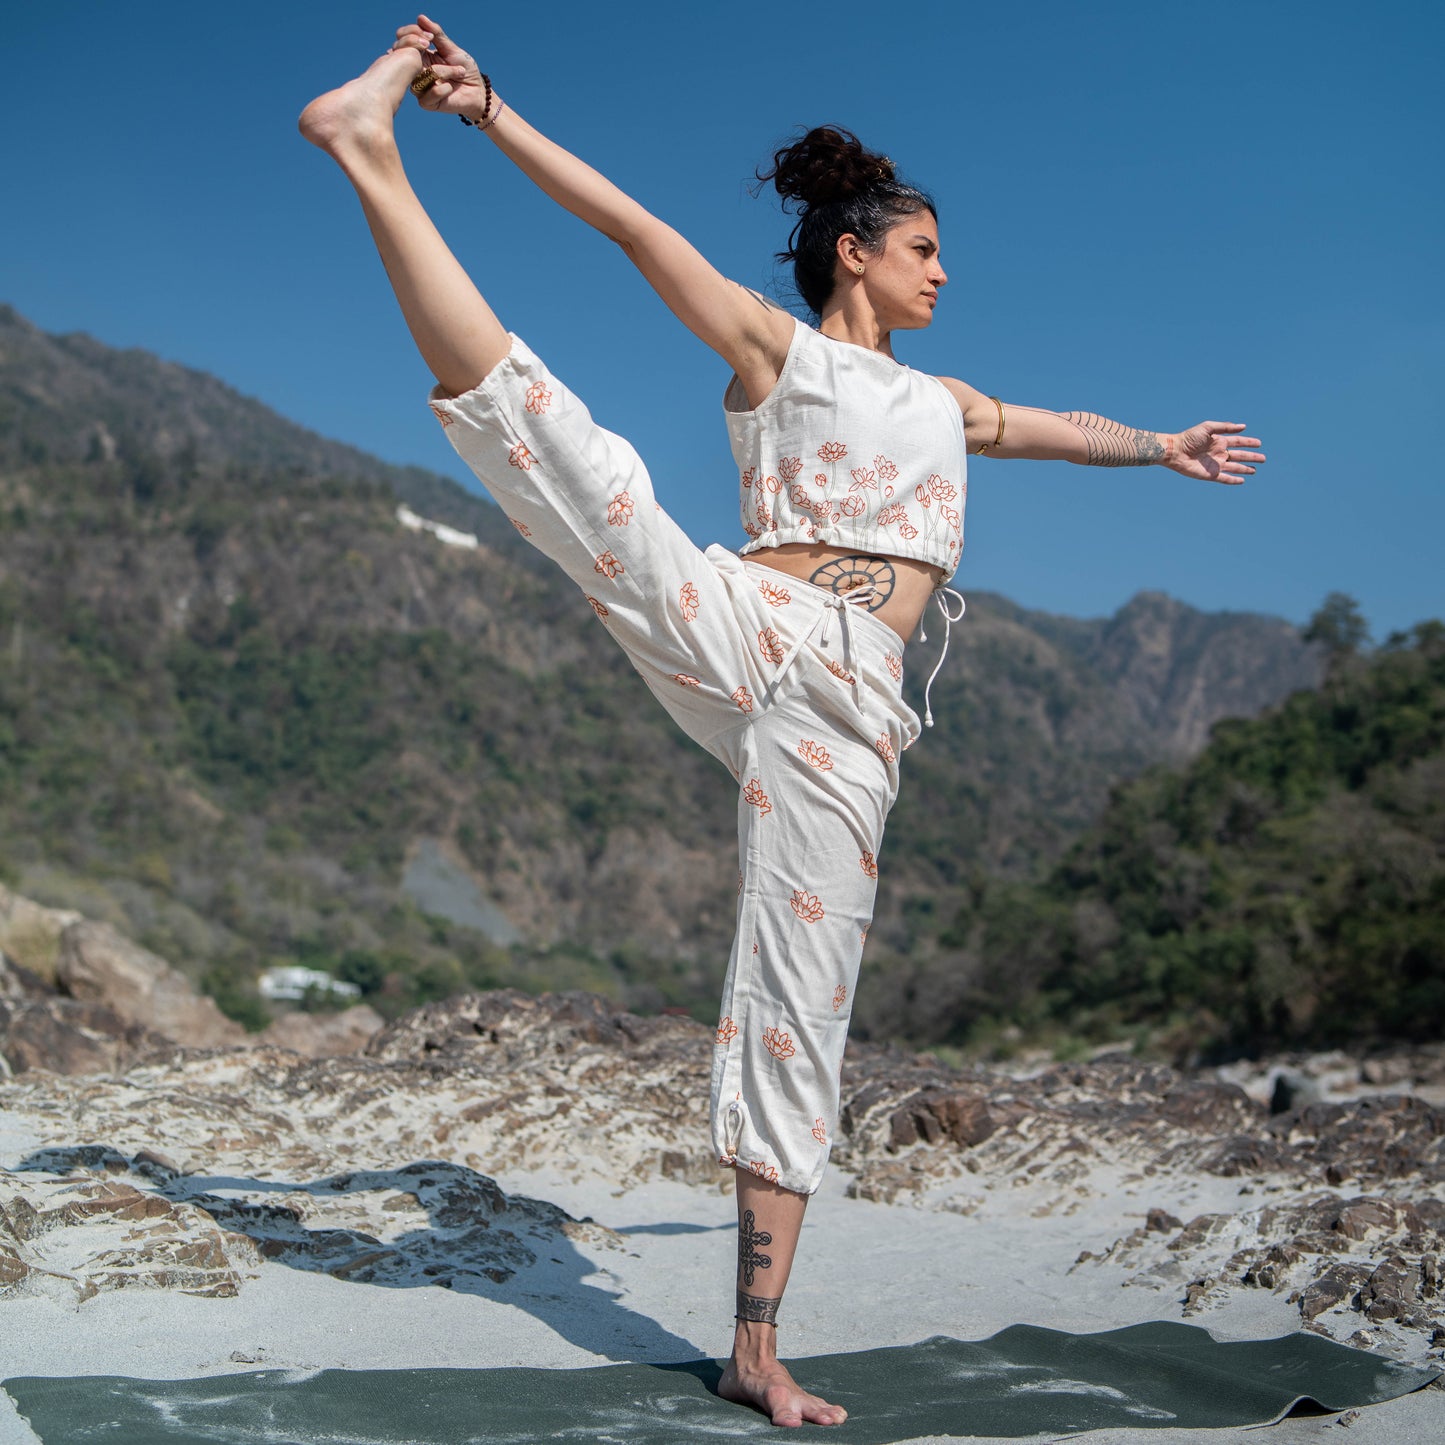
[749,333]
[1210,451]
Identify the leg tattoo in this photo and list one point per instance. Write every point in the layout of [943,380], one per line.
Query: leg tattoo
[755,1308]
[749,1238]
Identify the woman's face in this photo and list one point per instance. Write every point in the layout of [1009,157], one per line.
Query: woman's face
[902,278]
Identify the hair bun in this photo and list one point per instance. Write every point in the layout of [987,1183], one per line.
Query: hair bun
[827,164]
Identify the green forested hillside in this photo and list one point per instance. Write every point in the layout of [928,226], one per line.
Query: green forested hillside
[240,705]
[1285,889]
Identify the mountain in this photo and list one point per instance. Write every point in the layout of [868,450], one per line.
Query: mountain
[1283,890]
[248,716]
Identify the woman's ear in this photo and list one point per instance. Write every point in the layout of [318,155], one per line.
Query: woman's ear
[850,252]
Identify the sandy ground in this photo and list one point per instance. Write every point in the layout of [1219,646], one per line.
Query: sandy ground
[868,1275]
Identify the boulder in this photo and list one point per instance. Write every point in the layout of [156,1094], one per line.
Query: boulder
[98,965]
[30,933]
[323,1036]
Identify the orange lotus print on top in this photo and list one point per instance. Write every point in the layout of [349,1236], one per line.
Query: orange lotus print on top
[808,906]
[599,608]
[819,1131]
[885,469]
[840,996]
[688,602]
[608,565]
[770,645]
[753,793]
[620,510]
[864,479]
[869,865]
[778,1043]
[832,452]
[790,467]
[774,595]
[815,755]
[727,1031]
[743,698]
[538,398]
[521,457]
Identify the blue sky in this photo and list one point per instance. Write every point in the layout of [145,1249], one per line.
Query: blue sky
[1156,211]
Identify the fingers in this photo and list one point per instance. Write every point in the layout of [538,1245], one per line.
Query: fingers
[447,48]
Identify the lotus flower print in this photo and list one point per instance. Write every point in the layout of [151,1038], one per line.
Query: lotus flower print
[599,608]
[885,749]
[770,645]
[753,793]
[808,906]
[522,527]
[868,864]
[778,1043]
[688,602]
[538,398]
[608,565]
[727,1031]
[840,996]
[815,755]
[819,1131]
[774,595]
[743,698]
[521,457]
[620,510]
[832,452]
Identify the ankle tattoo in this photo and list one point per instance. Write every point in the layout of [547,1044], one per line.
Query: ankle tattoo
[759,1311]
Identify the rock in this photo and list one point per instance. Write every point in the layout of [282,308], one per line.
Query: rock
[1336,1287]
[69,1037]
[1160,1221]
[30,933]
[321,1036]
[98,965]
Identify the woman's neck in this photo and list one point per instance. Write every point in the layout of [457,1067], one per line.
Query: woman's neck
[855,321]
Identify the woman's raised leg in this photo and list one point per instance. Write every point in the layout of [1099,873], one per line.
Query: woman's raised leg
[459,337]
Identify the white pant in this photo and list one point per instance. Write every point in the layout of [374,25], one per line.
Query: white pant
[796,692]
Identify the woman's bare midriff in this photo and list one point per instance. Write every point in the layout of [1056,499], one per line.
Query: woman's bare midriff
[913,584]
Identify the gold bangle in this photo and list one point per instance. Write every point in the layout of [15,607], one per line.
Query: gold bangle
[999,438]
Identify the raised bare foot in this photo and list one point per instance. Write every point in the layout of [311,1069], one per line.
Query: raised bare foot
[767,1386]
[354,118]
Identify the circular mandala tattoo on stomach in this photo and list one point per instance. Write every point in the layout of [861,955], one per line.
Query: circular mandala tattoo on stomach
[848,574]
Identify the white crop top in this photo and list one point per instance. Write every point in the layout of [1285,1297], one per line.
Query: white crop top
[851,449]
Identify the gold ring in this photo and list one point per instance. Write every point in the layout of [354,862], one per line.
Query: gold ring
[424,81]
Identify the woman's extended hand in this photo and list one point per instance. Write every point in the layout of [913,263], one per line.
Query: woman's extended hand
[458,89]
[1212,452]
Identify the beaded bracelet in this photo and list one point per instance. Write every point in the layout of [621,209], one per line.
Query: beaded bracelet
[488,119]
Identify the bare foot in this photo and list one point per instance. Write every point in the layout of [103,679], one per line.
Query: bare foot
[767,1386]
[351,121]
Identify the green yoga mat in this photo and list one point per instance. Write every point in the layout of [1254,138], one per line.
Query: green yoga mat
[1022,1381]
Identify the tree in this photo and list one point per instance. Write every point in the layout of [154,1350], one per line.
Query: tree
[1338,627]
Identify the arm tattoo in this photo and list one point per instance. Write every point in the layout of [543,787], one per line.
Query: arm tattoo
[1113,445]
[754,1307]
[848,574]
[749,1238]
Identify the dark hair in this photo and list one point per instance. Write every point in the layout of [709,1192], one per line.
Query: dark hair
[838,188]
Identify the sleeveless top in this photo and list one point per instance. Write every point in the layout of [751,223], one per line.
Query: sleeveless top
[851,449]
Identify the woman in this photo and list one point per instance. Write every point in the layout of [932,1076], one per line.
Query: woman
[785,661]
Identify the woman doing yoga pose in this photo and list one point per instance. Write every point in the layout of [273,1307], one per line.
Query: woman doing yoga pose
[784,661]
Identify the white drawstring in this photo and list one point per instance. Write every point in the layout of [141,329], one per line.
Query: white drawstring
[949,618]
[841,604]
